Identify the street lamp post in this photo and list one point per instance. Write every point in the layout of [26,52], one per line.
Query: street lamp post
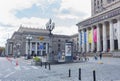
[50,26]
[29,38]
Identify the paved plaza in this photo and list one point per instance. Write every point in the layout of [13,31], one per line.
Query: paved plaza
[107,69]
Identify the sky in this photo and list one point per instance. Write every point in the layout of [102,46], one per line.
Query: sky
[36,13]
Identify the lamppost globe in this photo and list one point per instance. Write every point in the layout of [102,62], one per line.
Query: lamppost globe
[29,37]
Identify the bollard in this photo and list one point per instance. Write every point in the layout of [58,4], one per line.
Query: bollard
[94,76]
[49,67]
[41,64]
[69,73]
[45,65]
[79,73]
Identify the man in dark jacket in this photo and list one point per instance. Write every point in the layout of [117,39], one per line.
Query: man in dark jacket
[100,55]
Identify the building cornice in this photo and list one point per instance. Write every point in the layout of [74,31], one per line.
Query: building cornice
[100,17]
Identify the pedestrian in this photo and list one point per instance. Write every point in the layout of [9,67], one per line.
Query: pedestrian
[100,55]
[95,57]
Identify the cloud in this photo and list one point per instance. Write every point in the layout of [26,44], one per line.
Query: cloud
[6,33]
[10,23]
[65,13]
[67,16]
[34,22]
[62,30]
[77,6]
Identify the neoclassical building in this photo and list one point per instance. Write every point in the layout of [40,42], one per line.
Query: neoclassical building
[101,32]
[37,41]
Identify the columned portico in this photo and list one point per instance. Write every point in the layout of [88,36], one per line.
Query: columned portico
[111,36]
[106,23]
[104,37]
[36,48]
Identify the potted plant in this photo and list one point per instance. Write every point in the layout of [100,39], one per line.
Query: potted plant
[37,60]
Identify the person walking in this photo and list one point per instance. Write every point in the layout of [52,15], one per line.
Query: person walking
[95,55]
[100,55]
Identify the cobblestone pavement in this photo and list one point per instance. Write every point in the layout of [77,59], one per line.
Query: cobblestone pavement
[107,69]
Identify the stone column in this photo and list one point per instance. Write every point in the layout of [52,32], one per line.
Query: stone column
[36,48]
[118,24]
[93,45]
[26,49]
[111,36]
[80,41]
[83,44]
[87,46]
[6,49]
[98,39]
[104,38]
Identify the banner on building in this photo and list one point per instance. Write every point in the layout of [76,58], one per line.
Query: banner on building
[68,49]
[95,35]
[41,46]
[85,38]
[90,36]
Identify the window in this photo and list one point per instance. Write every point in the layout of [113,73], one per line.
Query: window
[59,40]
[109,1]
[97,2]
[58,49]
[77,38]
[66,40]
[98,7]
[58,45]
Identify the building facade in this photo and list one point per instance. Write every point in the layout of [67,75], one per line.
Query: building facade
[101,32]
[39,42]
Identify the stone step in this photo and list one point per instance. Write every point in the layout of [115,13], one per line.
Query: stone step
[103,54]
[116,54]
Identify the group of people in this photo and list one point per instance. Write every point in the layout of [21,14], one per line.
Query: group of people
[100,55]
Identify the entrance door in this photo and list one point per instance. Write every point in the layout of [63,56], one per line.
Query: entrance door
[116,44]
